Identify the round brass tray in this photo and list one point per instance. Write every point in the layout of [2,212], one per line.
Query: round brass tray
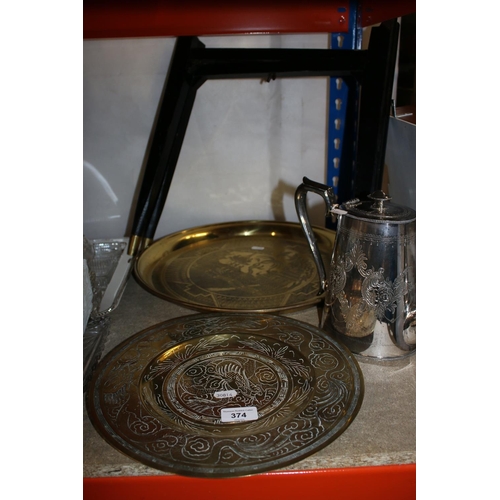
[161,396]
[254,266]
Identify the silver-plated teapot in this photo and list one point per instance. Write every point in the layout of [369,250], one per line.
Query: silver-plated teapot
[370,289]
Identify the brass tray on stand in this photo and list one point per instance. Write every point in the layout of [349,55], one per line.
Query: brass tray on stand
[225,394]
[253,266]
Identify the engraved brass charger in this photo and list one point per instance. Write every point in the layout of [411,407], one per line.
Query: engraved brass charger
[252,266]
[160,396]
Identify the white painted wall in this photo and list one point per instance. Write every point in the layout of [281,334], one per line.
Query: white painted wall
[247,146]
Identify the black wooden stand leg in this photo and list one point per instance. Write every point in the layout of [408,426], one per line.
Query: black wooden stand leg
[169,131]
[374,108]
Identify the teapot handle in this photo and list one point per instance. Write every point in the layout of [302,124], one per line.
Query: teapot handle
[328,195]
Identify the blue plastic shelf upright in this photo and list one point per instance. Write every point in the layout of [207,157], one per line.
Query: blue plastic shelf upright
[337,153]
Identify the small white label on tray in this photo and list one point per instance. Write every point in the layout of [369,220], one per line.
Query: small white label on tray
[258,248]
[239,414]
[225,394]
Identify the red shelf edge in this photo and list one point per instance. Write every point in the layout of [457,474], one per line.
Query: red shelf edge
[153,18]
[387,482]
[112,18]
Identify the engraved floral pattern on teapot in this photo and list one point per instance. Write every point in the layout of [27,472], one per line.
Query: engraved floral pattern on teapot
[379,295]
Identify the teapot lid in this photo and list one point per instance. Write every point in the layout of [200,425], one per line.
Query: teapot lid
[380,208]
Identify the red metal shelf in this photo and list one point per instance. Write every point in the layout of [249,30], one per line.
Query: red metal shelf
[389,482]
[141,18]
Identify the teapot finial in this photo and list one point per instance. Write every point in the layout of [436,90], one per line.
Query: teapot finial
[379,197]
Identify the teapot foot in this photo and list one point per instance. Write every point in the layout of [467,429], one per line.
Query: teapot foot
[376,348]
[397,361]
